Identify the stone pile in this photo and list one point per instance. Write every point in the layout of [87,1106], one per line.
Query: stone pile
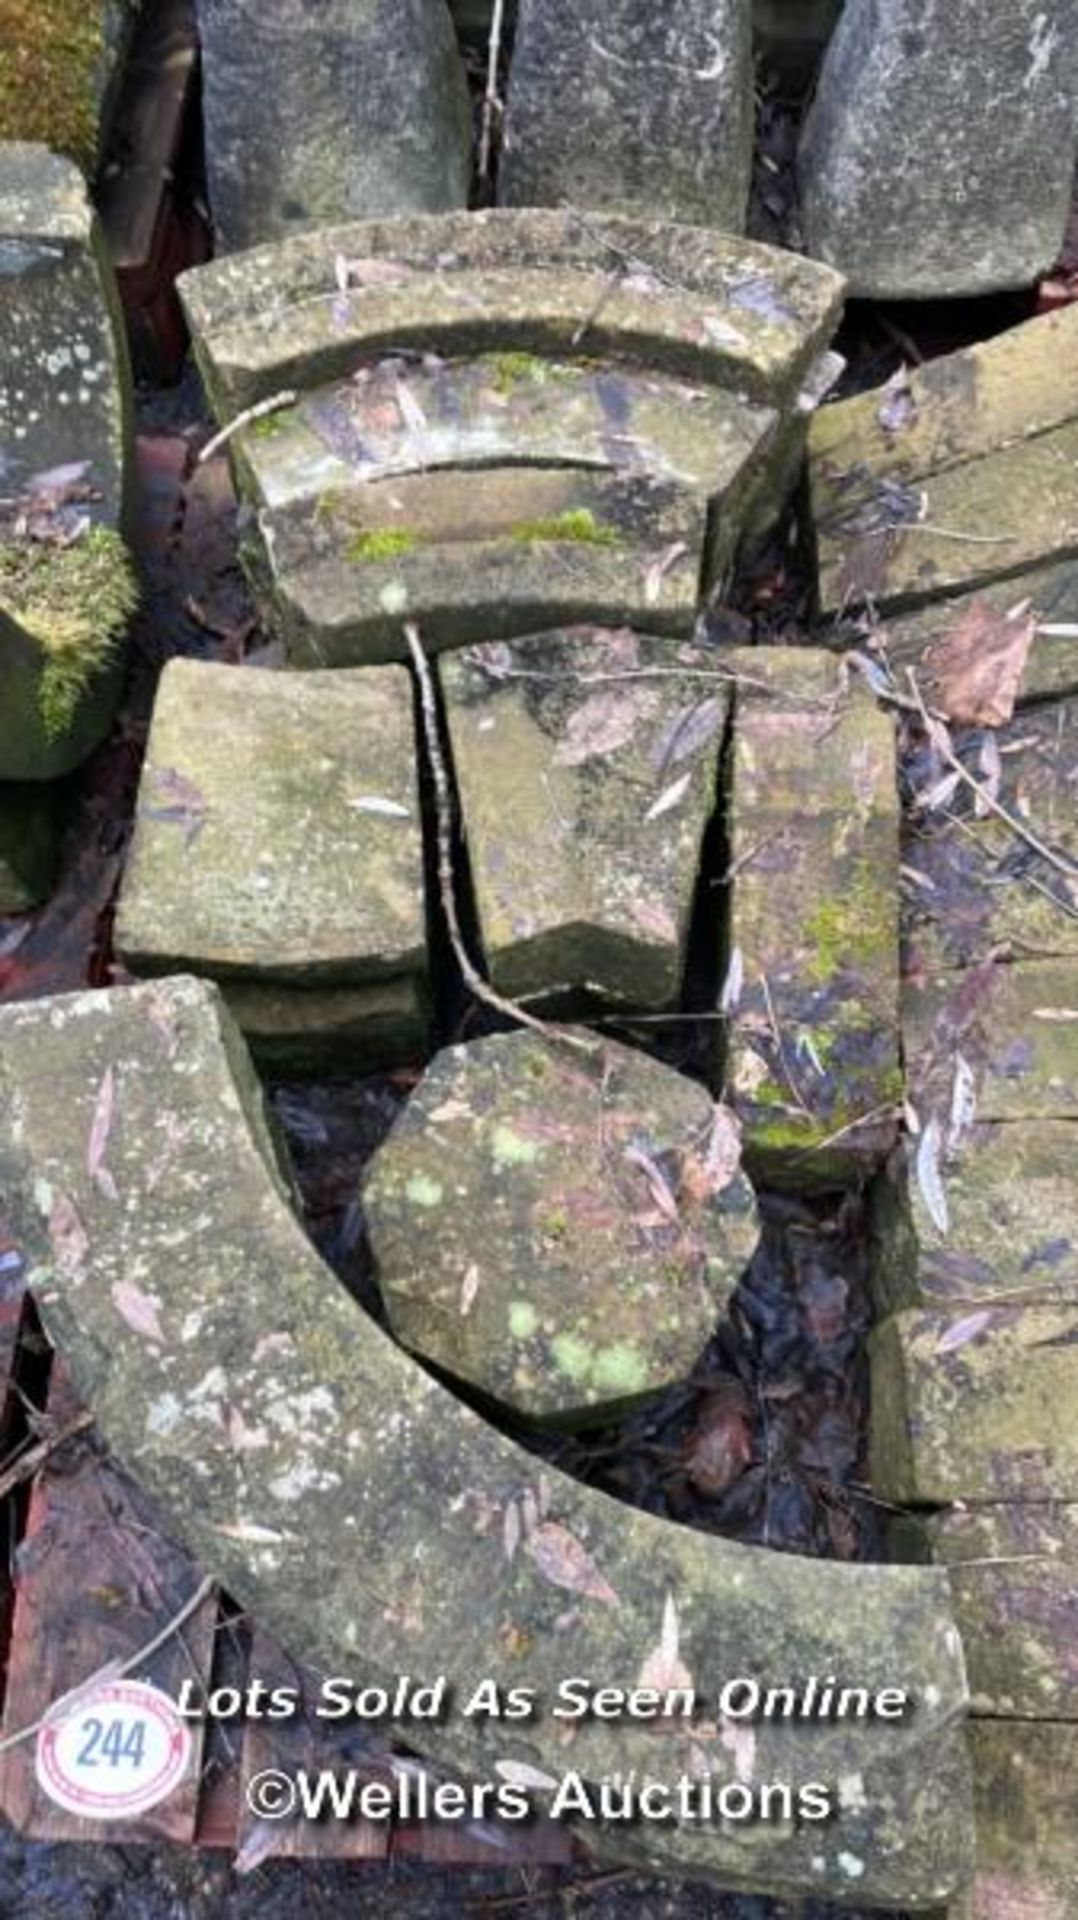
[66,585]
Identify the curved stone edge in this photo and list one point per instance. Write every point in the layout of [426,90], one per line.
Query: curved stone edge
[266,319]
[276,1428]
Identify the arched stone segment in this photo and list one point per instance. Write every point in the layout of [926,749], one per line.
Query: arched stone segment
[633,108]
[66,584]
[278,848]
[700,305]
[587,770]
[811,988]
[275,1426]
[938,156]
[347,109]
[559,1232]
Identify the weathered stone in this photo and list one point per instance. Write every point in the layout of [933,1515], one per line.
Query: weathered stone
[587,774]
[777,475]
[1010,1032]
[513,550]
[393,418]
[976,886]
[1027,1859]
[279,1431]
[65,435]
[559,1232]
[632,108]
[29,840]
[812,983]
[973,1405]
[58,81]
[938,155]
[278,834]
[305,1032]
[1051,594]
[687,301]
[357,109]
[1011,1230]
[1014,1577]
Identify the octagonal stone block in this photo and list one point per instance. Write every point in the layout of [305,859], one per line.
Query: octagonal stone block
[559,1226]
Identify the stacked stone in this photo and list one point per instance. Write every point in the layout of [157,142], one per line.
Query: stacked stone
[66,585]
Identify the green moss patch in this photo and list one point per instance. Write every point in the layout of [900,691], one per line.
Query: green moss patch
[53,51]
[75,602]
[380,543]
[577,524]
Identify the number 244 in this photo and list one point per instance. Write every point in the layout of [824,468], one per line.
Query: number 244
[112,1741]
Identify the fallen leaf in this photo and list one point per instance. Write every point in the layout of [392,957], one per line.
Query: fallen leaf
[963,1100]
[733,983]
[99,1137]
[519,1774]
[511,1529]
[664,1668]
[720,1447]
[68,1238]
[654,920]
[184,804]
[469,1287]
[975,670]
[963,1331]
[690,730]
[411,412]
[601,724]
[140,1310]
[370,272]
[658,570]
[377,804]
[740,1741]
[250,1534]
[670,798]
[928,1175]
[564,1560]
[659,1187]
[898,409]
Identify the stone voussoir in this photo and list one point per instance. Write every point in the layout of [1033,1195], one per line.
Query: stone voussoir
[274,1425]
[587,771]
[278,848]
[559,1232]
[812,986]
[688,301]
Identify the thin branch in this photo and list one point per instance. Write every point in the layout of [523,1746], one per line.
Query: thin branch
[286,398]
[492,104]
[28,1462]
[446,878]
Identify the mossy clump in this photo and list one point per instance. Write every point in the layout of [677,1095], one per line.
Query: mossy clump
[508,370]
[577,524]
[75,602]
[379,543]
[848,931]
[49,74]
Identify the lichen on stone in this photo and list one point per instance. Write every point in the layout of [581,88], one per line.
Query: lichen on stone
[75,602]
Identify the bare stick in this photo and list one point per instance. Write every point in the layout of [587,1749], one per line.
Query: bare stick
[286,398]
[492,104]
[113,1669]
[27,1464]
[941,739]
[446,888]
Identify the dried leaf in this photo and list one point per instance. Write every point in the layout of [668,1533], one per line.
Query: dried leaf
[740,1741]
[976,668]
[140,1310]
[690,730]
[658,570]
[518,1773]
[963,1331]
[720,1446]
[662,1193]
[370,272]
[898,409]
[670,798]
[530,1509]
[654,920]
[730,996]
[564,1560]
[963,1100]
[603,723]
[99,1136]
[469,1287]
[664,1668]
[376,803]
[511,1529]
[68,1238]
[184,804]
[411,412]
[249,1534]
[928,1175]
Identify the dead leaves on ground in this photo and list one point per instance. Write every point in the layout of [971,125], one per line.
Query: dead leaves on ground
[558,1554]
[975,669]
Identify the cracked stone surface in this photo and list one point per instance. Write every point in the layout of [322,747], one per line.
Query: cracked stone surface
[586,787]
[275,1440]
[633,108]
[938,156]
[560,1233]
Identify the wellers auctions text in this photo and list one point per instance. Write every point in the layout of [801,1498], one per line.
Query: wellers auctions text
[742,1698]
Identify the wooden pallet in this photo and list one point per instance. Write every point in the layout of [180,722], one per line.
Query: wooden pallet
[90,1581]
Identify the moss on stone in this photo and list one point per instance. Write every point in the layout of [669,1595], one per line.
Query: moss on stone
[378,544]
[578,524]
[509,369]
[53,50]
[75,602]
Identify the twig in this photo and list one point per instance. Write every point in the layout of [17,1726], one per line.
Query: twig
[492,104]
[941,739]
[446,887]
[28,1462]
[113,1669]
[781,1051]
[573,1889]
[258,412]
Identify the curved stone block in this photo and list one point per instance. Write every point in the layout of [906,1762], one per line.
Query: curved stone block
[361,1511]
[685,300]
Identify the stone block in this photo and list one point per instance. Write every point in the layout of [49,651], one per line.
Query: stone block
[66,585]
[632,108]
[29,843]
[329,1032]
[938,156]
[274,1425]
[561,1233]
[971,1406]
[1050,592]
[587,770]
[812,1060]
[1014,1577]
[278,837]
[350,110]
[702,306]
[1027,1858]
[975,886]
